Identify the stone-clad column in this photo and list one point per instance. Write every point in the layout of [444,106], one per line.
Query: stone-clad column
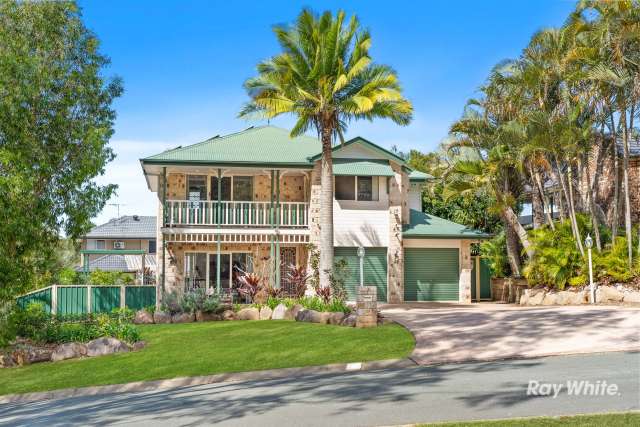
[465,272]
[398,215]
[367,307]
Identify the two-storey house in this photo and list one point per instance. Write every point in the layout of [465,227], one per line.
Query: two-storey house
[249,201]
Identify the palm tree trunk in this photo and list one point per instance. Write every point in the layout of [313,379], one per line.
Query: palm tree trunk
[545,200]
[559,177]
[616,189]
[625,182]
[572,211]
[326,209]
[591,193]
[511,219]
[513,249]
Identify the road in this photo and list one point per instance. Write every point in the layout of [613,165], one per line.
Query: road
[423,394]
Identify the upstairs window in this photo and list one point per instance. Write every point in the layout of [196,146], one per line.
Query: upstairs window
[361,188]
[152,246]
[100,244]
[196,188]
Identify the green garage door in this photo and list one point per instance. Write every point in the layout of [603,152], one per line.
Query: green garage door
[374,266]
[431,274]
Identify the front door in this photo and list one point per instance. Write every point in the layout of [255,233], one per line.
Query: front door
[287,262]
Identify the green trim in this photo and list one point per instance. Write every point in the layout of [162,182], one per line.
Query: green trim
[358,139]
[228,164]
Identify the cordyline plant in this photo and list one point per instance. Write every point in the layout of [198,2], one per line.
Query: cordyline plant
[249,284]
[298,277]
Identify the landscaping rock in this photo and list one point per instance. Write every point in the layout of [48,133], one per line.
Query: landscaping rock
[250,313]
[294,311]
[302,315]
[6,361]
[70,350]
[632,296]
[606,294]
[137,346]
[550,298]
[183,318]
[524,298]
[143,317]
[161,317]
[336,318]
[535,298]
[106,345]
[28,355]
[202,316]
[279,312]
[228,315]
[265,313]
[350,320]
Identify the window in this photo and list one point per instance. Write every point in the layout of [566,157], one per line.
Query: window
[225,188]
[152,246]
[345,187]
[243,188]
[100,244]
[368,188]
[196,188]
[361,188]
[196,270]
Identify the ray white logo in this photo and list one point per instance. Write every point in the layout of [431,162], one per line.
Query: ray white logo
[572,388]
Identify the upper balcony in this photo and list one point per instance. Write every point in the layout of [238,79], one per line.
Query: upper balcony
[236,214]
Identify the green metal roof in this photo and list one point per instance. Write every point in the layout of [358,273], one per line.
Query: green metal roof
[255,145]
[419,176]
[422,225]
[362,167]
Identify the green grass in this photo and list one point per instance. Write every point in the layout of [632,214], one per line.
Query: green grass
[192,349]
[609,420]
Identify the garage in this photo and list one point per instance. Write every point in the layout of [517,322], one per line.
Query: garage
[431,274]
[374,266]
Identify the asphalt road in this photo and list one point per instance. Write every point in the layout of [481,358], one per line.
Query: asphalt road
[448,392]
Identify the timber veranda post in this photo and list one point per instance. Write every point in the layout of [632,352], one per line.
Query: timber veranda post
[277,233]
[219,208]
[271,222]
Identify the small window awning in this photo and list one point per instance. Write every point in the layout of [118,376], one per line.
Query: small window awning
[362,167]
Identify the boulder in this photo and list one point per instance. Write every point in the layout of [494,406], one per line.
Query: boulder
[294,311]
[350,320]
[570,298]
[302,315]
[524,298]
[137,346]
[279,312]
[161,317]
[265,313]
[143,317]
[6,361]
[228,315]
[536,298]
[608,294]
[70,350]
[106,345]
[250,313]
[632,297]
[203,316]
[336,318]
[183,318]
[28,355]
[550,298]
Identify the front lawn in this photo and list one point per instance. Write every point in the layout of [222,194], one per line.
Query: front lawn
[192,349]
[609,420]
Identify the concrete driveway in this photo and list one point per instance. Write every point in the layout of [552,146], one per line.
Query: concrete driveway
[488,331]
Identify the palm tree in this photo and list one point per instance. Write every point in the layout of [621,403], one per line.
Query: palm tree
[325,77]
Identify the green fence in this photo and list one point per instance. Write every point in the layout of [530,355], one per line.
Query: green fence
[71,300]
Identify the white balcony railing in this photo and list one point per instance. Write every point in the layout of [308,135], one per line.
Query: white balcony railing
[236,214]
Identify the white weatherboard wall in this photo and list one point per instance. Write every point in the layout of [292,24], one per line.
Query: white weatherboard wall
[415,197]
[358,223]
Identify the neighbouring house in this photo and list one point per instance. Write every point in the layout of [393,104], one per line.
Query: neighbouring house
[249,201]
[127,233]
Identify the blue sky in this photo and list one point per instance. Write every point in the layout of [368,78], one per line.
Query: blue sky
[183,65]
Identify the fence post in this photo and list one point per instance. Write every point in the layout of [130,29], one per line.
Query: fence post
[123,295]
[54,299]
[88,299]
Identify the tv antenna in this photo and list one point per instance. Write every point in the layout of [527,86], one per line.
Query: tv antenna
[117,205]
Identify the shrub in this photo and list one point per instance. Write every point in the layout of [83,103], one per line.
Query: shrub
[151,309]
[612,264]
[495,251]
[171,303]
[68,276]
[556,258]
[198,300]
[110,278]
[249,284]
[34,323]
[298,278]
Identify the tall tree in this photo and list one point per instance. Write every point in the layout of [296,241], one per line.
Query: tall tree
[325,77]
[55,122]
